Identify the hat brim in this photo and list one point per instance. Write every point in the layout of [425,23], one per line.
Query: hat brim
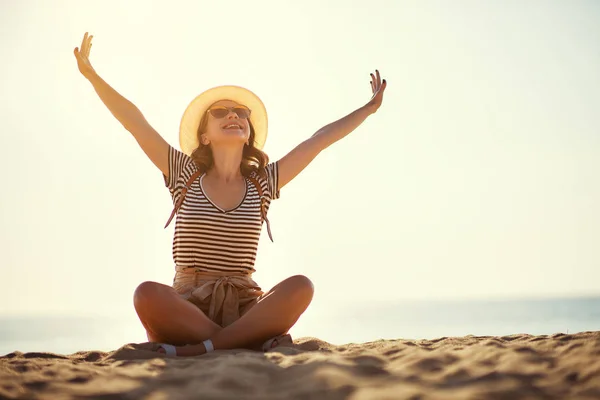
[188,129]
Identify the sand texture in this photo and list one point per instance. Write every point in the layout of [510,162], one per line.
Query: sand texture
[557,366]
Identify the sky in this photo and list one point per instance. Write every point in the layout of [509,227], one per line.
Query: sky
[477,178]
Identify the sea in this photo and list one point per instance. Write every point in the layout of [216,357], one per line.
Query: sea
[416,319]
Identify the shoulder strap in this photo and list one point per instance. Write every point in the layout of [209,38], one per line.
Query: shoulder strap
[195,176]
[263,212]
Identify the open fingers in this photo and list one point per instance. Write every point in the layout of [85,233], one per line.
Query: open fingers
[376,83]
[82,47]
[88,46]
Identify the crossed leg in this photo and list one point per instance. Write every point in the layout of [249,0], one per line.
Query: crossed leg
[170,319]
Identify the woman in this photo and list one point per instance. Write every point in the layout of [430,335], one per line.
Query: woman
[222,185]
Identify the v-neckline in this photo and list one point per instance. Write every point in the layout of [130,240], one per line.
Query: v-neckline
[215,204]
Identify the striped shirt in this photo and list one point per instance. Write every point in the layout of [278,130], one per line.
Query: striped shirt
[207,238]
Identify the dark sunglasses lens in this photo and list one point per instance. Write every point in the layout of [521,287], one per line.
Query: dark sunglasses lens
[242,112]
[219,112]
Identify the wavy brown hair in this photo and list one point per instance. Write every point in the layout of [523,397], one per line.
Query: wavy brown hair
[253,159]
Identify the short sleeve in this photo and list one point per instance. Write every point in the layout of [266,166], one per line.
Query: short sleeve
[178,163]
[273,179]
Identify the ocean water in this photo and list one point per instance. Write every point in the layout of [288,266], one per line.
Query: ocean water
[408,320]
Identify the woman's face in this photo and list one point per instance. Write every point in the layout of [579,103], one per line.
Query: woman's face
[228,130]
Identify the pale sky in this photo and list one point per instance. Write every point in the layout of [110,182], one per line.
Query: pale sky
[478,177]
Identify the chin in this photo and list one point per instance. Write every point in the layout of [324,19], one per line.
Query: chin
[232,142]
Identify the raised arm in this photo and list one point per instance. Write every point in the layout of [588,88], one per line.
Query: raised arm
[155,147]
[297,159]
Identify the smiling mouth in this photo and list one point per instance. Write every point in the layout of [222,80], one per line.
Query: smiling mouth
[232,126]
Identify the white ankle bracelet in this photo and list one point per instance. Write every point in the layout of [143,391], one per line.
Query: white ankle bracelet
[170,350]
[208,345]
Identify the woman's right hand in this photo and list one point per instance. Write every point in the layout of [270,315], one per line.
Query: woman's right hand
[155,147]
[82,55]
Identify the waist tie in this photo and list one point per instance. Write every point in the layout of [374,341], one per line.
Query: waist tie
[218,294]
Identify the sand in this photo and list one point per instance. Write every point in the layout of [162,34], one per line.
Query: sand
[557,366]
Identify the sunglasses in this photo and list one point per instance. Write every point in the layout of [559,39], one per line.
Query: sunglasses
[219,112]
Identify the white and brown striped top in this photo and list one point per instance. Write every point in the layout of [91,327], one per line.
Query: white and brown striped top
[207,238]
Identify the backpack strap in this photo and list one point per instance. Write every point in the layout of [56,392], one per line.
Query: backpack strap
[263,209]
[184,191]
[196,175]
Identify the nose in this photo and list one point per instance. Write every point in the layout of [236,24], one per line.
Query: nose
[232,115]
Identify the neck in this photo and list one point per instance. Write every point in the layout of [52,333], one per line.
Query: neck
[226,164]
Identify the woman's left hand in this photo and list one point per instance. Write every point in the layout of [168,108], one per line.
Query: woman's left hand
[378,87]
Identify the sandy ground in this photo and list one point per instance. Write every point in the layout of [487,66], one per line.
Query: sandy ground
[510,367]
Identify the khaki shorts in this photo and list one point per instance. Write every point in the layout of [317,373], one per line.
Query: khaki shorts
[223,298]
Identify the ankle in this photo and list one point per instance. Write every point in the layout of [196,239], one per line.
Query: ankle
[208,346]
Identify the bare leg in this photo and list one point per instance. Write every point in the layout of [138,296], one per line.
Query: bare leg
[170,319]
[273,315]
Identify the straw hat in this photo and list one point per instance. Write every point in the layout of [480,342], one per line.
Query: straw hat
[188,129]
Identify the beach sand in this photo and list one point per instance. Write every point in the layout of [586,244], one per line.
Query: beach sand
[520,366]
